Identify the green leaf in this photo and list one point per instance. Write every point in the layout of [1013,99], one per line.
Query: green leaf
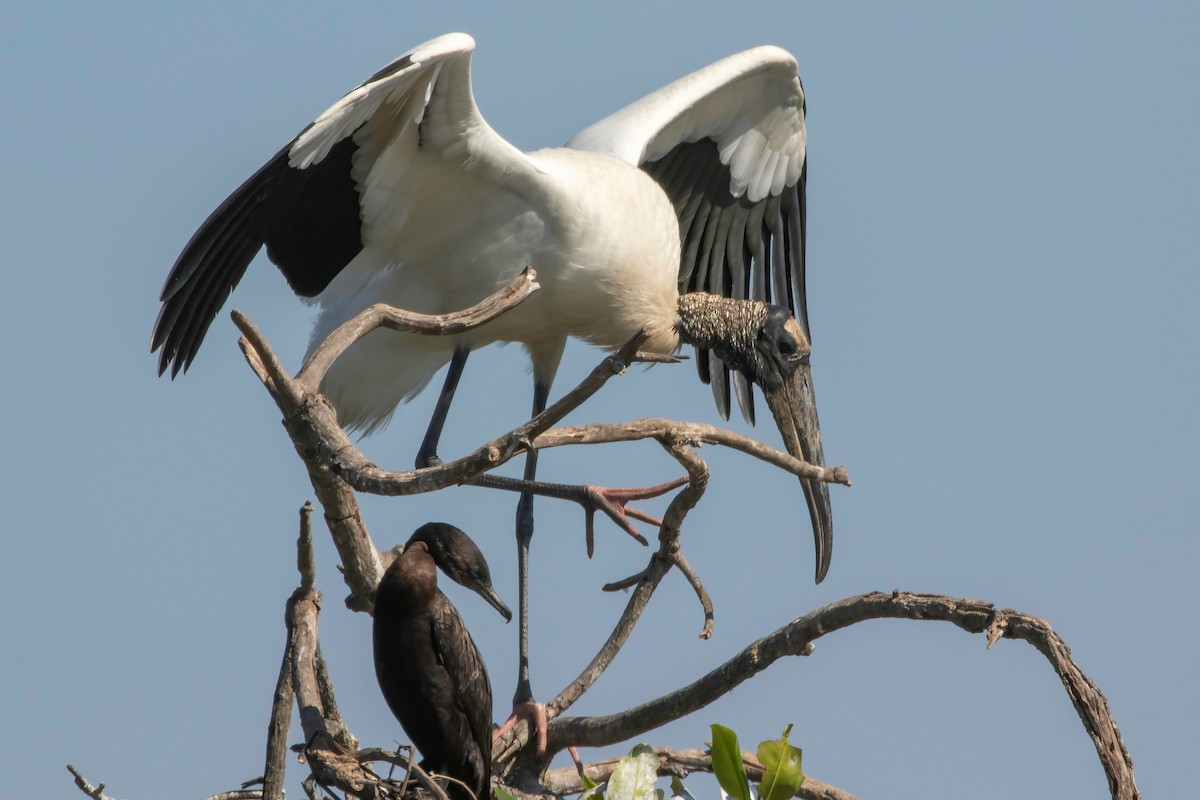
[727,763]
[635,776]
[500,794]
[591,789]
[781,775]
[678,790]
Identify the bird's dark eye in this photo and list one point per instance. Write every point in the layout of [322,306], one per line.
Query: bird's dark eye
[786,346]
[476,574]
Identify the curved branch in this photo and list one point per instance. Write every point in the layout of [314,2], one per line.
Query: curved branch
[507,746]
[701,593]
[692,433]
[353,467]
[298,401]
[383,316]
[796,638]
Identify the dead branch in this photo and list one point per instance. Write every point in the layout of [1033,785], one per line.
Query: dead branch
[359,556]
[96,792]
[383,316]
[796,638]
[680,763]
[661,561]
[337,468]
[701,593]
[311,422]
[281,704]
[691,433]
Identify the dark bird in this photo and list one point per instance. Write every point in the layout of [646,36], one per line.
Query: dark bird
[682,215]
[428,667]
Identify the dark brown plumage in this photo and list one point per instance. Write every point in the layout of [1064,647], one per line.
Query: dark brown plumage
[428,667]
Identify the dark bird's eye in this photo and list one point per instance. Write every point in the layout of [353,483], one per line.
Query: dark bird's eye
[476,574]
[786,346]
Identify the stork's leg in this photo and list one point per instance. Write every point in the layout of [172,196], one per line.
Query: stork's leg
[523,703]
[427,456]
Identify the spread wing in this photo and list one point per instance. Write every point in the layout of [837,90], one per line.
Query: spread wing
[727,144]
[334,188]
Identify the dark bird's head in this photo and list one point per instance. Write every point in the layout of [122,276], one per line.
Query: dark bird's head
[459,557]
[767,345]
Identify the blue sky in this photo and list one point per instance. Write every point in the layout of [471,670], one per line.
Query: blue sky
[1003,270]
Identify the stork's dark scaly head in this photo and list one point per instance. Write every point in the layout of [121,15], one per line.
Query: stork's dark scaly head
[461,560]
[766,344]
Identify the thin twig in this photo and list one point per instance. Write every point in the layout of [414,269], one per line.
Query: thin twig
[277,730]
[96,792]
[412,770]
[701,593]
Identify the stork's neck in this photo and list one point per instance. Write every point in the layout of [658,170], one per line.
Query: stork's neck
[719,323]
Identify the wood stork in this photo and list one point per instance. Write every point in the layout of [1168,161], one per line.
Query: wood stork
[682,214]
[428,667]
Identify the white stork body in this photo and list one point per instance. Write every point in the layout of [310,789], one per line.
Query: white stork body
[602,235]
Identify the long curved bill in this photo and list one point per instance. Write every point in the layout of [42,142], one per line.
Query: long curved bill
[493,600]
[794,407]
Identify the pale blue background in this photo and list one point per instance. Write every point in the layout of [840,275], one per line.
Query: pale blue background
[1003,270]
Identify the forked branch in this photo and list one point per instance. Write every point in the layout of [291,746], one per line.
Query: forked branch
[336,466]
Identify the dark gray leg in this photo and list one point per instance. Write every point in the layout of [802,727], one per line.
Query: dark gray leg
[524,693]
[427,456]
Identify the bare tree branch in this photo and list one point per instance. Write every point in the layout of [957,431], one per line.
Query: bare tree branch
[383,316]
[796,638]
[691,433]
[680,763]
[311,422]
[361,567]
[661,562]
[360,559]
[336,468]
[281,705]
[701,593]
[349,462]
[96,792]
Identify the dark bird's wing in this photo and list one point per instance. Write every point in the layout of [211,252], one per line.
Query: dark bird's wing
[727,144]
[468,703]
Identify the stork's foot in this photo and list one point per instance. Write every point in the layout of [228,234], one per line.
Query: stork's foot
[614,503]
[536,714]
[431,460]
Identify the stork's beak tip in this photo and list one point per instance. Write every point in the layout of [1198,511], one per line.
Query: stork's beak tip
[794,407]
